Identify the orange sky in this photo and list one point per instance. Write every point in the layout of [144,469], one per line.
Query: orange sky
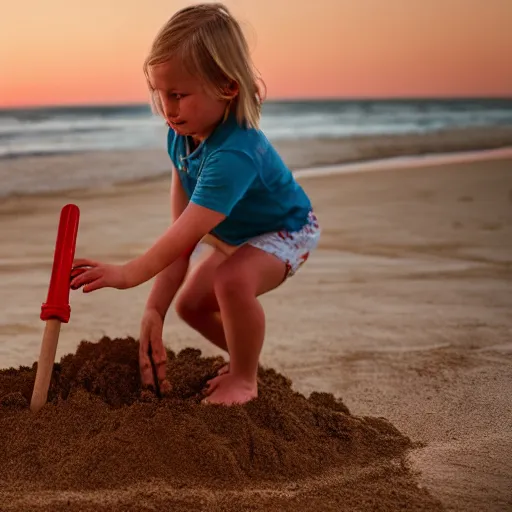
[77,51]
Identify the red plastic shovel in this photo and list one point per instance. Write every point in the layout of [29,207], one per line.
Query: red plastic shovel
[56,309]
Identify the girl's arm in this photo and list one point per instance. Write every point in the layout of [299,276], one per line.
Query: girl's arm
[195,222]
[169,280]
[179,199]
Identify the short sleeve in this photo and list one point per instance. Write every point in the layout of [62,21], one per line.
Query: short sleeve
[225,178]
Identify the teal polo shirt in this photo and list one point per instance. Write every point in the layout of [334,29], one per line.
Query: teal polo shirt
[237,172]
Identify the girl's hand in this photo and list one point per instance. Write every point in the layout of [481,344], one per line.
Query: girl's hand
[99,275]
[151,329]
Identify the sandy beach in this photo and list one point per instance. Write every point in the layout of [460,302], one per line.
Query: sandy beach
[404,313]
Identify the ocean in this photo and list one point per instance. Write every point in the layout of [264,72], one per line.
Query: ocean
[44,131]
[97,136]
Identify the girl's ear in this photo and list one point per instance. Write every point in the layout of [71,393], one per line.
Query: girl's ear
[232,89]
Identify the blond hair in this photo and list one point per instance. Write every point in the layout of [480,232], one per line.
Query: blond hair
[212,46]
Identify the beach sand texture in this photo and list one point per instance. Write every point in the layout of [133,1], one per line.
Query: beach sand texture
[403,313]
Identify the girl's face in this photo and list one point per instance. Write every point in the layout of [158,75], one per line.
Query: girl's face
[187,107]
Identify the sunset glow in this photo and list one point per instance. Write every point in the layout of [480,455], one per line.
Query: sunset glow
[67,52]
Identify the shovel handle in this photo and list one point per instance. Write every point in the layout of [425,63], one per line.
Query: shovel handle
[45,364]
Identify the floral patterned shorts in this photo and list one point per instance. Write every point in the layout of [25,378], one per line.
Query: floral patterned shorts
[291,247]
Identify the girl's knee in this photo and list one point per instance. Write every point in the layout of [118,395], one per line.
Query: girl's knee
[186,308]
[231,282]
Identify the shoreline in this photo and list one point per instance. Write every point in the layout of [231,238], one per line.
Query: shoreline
[373,165]
[71,173]
[406,162]
[390,164]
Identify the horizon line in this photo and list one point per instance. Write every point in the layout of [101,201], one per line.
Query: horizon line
[325,99]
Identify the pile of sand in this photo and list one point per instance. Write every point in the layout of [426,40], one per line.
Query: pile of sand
[103,442]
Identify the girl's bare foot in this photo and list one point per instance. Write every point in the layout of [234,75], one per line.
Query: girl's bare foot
[223,371]
[228,390]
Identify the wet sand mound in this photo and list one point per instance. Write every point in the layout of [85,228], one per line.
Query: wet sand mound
[102,432]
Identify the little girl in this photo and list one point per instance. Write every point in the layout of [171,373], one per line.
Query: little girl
[230,191]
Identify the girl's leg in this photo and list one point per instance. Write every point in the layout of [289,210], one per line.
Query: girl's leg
[197,305]
[238,281]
